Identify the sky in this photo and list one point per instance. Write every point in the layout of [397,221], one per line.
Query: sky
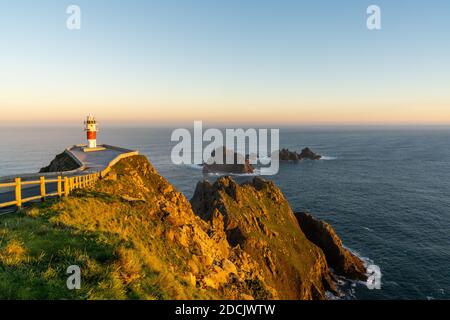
[225,61]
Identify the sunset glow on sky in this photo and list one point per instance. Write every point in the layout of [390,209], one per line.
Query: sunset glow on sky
[293,62]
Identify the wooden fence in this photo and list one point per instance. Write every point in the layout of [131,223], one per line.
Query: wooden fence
[64,186]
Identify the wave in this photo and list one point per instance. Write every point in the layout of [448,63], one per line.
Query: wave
[256,172]
[194,166]
[328,158]
[348,285]
[373,270]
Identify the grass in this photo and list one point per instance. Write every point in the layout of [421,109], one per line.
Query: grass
[35,254]
[115,245]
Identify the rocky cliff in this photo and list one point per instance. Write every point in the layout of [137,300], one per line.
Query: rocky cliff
[293,251]
[135,237]
[194,253]
[257,218]
[343,262]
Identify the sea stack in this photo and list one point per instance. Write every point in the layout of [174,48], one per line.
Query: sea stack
[240,165]
[307,153]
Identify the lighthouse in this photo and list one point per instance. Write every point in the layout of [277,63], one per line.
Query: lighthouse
[91,129]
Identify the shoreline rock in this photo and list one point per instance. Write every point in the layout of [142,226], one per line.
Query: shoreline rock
[343,262]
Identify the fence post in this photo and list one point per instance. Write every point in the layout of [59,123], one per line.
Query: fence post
[59,186]
[42,183]
[19,193]
[66,187]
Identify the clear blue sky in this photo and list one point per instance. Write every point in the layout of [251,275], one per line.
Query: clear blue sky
[306,61]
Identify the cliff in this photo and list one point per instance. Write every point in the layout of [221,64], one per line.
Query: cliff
[294,251]
[257,218]
[135,237]
[343,262]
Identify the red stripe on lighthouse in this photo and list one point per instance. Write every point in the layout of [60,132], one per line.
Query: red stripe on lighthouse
[91,135]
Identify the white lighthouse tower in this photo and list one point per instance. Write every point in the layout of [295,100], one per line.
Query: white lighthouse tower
[91,129]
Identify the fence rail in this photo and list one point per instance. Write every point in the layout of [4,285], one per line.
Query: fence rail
[64,186]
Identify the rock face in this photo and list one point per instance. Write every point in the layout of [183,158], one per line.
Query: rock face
[62,162]
[240,164]
[287,155]
[190,249]
[342,261]
[257,219]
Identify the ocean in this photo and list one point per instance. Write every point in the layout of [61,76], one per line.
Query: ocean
[386,191]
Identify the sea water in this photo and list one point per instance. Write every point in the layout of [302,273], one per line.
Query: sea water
[386,191]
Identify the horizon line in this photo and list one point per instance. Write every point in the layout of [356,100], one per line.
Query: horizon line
[209,124]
